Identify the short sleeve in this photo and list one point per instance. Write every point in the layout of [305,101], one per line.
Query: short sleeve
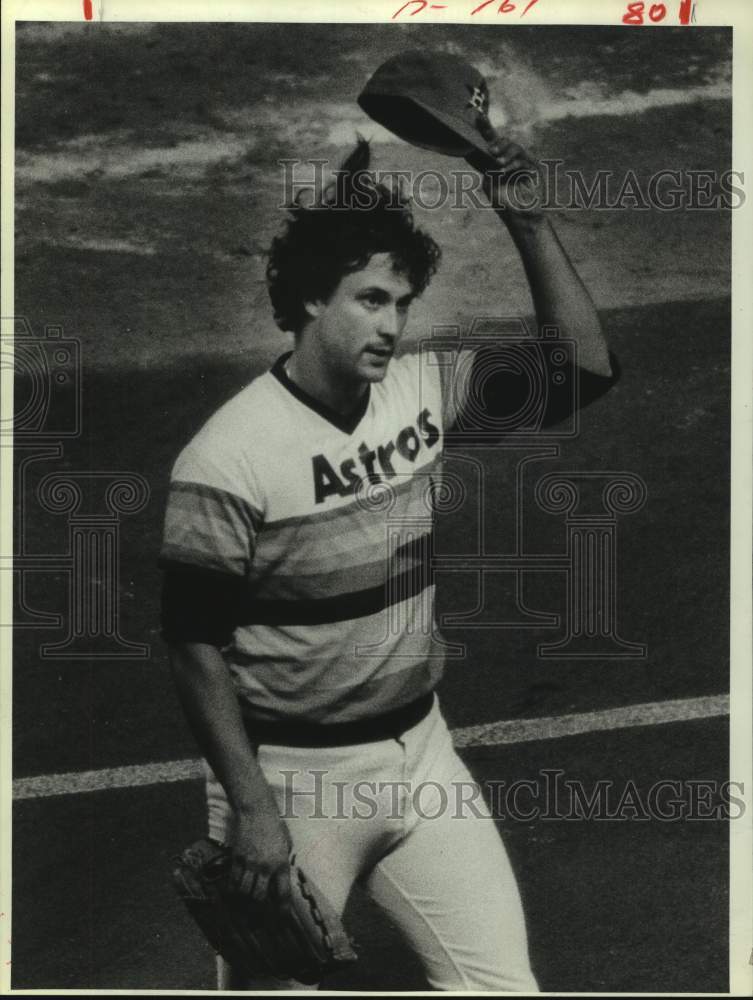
[208,543]
[207,524]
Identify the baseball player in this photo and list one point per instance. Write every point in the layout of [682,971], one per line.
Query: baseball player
[300,624]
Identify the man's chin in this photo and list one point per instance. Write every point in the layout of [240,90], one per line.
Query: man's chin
[375,372]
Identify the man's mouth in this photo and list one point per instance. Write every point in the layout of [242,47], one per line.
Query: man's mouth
[379,352]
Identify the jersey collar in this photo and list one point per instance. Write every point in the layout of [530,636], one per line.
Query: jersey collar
[346,424]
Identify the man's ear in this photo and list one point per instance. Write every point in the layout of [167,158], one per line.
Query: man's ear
[313,308]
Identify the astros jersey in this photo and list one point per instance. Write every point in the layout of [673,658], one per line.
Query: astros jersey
[307,537]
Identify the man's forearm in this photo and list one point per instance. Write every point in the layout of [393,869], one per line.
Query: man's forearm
[560,298]
[211,707]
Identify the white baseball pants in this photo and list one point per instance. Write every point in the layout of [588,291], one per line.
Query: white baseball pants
[404,817]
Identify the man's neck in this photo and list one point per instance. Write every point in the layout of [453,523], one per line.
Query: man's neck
[343,398]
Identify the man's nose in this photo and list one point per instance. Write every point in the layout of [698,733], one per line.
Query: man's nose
[390,324]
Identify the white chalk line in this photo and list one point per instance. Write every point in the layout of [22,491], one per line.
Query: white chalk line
[487,734]
[651,714]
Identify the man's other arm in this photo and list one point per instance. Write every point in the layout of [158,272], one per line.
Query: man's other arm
[260,840]
[559,296]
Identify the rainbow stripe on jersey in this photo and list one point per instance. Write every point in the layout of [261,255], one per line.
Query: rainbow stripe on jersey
[320,528]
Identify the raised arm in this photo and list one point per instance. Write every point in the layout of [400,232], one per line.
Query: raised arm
[559,296]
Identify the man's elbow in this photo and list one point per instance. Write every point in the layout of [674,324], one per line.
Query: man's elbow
[597,360]
[601,368]
[595,382]
[189,657]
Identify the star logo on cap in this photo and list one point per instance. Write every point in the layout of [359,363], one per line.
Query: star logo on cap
[478,99]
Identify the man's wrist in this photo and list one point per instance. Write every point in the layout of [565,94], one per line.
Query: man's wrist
[253,797]
[524,226]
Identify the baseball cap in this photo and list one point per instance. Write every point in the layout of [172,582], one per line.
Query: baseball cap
[430,99]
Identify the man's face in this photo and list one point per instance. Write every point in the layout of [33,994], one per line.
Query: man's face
[358,329]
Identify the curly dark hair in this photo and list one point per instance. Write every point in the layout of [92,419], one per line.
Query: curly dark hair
[355,218]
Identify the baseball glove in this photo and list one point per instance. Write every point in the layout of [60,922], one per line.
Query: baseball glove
[304,943]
